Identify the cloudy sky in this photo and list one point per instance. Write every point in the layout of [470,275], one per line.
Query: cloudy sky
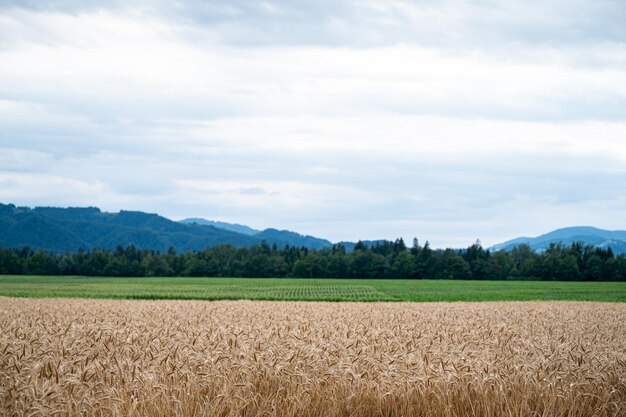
[448,121]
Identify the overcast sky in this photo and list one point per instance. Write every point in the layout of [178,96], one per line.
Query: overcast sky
[449,121]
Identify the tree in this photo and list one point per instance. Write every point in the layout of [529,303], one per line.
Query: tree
[476,257]
[567,268]
[155,266]
[383,260]
[594,268]
[403,266]
[451,265]
[311,266]
[366,264]
[10,262]
[498,266]
[525,262]
[40,263]
[423,261]
[200,266]
[338,265]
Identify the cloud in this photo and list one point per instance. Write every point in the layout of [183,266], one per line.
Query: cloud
[355,119]
[49,188]
[365,23]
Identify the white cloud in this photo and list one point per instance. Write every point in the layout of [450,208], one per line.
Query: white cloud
[446,120]
[49,188]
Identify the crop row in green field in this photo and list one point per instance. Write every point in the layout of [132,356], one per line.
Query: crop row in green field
[307,289]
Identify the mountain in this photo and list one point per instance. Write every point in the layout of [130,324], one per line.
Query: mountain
[588,235]
[70,229]
[292,239]
[280,237]
[370,243]
[233,227]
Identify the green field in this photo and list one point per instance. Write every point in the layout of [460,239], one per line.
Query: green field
[307,289]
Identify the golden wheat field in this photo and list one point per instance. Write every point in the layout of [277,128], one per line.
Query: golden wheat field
[70,357]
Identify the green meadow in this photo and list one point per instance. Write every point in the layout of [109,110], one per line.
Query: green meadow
[307,289]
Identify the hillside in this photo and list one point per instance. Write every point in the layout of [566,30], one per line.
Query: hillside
[281,237]
[70,229]
[292,239]
[233,227]
[616,240]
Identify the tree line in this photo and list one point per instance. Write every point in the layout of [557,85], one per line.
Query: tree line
[382,260]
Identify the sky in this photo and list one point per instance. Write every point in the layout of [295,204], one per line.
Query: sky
[448,121]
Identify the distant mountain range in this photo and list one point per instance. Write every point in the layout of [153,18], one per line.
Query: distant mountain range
[588,235]
[281,237]
[70,229]
[233,227]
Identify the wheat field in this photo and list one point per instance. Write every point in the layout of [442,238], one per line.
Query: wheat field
[72,357]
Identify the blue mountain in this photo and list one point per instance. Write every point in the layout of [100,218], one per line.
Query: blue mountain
[71,229]
[233,227]
[615,239]
[281,237]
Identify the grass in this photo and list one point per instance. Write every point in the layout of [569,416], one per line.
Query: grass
[307,289]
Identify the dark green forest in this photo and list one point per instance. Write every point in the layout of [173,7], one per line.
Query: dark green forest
[383,260]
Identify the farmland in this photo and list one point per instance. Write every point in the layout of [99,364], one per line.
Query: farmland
[308,289]
[68,357]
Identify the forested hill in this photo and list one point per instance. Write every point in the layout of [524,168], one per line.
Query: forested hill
[60,230]
[599,238]
[268,235]
[233,227]
[70,229]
